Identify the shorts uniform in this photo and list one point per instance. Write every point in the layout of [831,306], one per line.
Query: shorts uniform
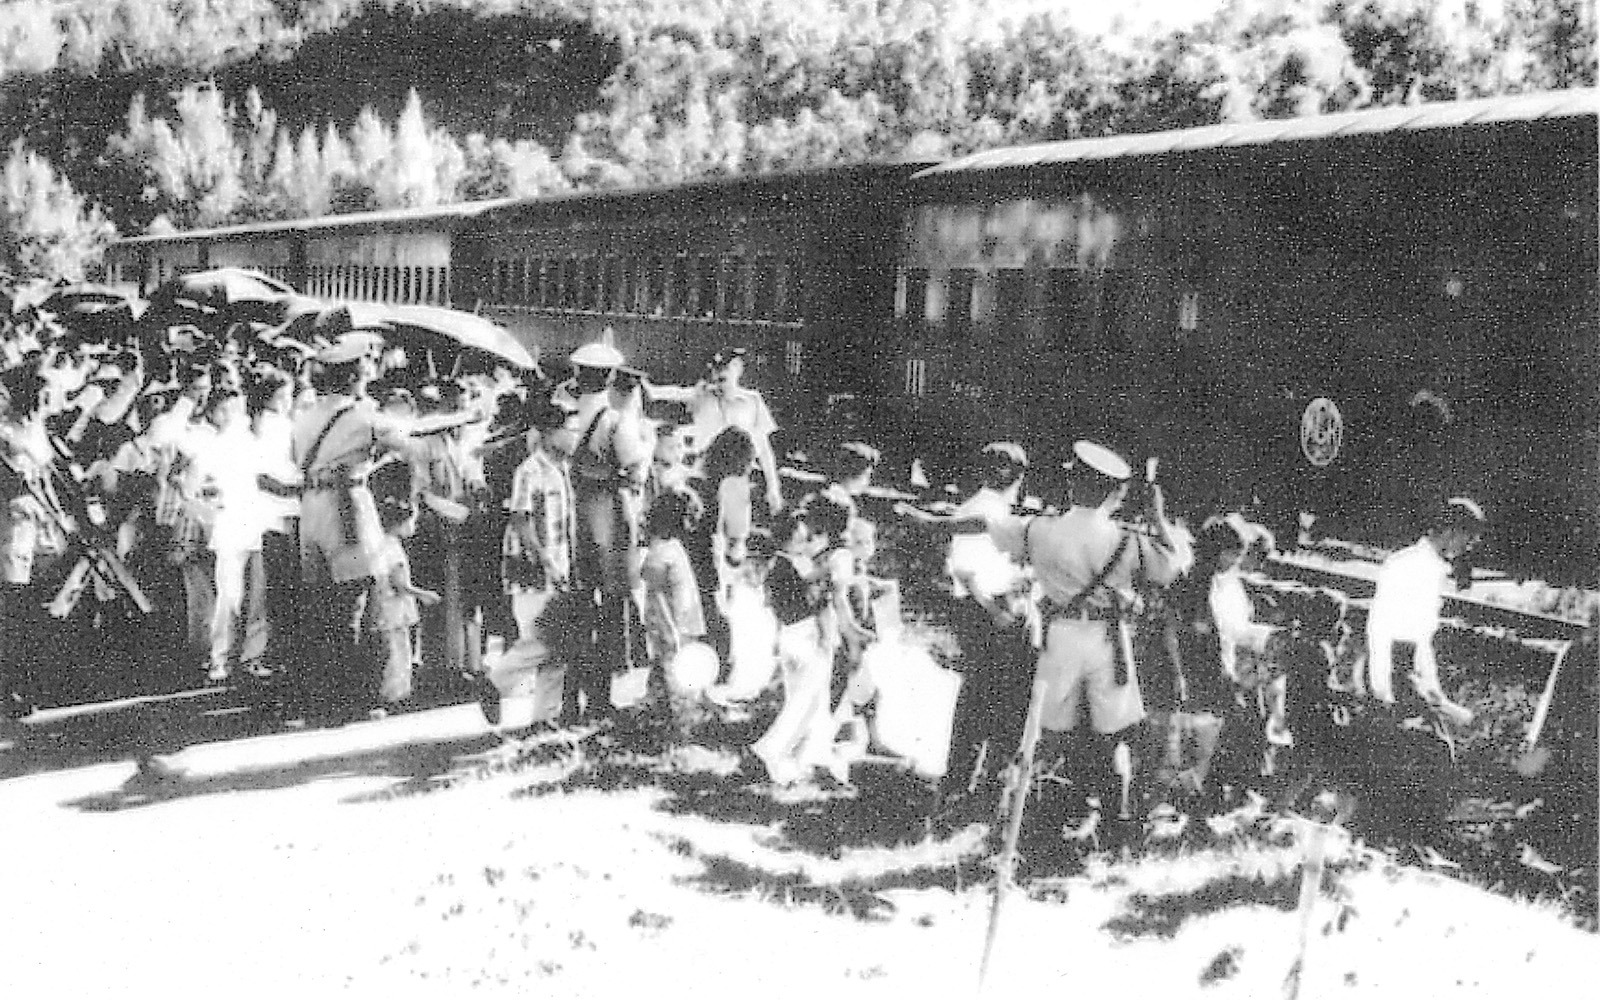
[1078,664]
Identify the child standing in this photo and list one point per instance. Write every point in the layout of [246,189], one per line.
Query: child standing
[752,627]
[392,601]
[673,615]
[809,589]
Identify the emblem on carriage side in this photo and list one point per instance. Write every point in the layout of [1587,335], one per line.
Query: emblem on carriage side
[1321,432]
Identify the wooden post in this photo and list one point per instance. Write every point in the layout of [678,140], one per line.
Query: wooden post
[1021,783]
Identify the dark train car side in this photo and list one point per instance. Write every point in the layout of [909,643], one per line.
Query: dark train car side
[795,267]
[1334,315]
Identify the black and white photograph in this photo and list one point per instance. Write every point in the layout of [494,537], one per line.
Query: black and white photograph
[848,498]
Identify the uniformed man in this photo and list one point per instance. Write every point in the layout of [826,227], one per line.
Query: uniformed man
[611,458]
[335,442]
[718,402]
[1087,566]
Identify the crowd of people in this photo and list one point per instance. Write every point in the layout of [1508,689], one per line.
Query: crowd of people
[324,518]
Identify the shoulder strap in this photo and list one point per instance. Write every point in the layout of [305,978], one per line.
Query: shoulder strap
[588,433]
[1099,577]
[322,435]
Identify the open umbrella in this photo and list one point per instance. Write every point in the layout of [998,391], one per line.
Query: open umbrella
[214,299]
[448,331]
[94,313]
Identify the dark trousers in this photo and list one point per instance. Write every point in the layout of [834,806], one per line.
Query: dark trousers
[280,557]
[702,559]
[603,540]
[996,682]
[598,652]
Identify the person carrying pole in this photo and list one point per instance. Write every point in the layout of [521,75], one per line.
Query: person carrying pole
[1085,566]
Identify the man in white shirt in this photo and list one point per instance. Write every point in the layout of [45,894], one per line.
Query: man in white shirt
[987,590]
[718,402]
[1407,601]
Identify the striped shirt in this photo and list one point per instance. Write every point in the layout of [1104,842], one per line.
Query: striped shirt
[539,489]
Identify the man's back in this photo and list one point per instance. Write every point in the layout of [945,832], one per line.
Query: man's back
[1068,551]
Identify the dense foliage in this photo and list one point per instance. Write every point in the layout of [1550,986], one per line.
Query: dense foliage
[197,112]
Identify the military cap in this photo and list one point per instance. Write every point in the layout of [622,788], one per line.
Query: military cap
[1102,460]
[1467,507]
[724,357]
[863,450]
[349,347]
[1009,450]
[597,355]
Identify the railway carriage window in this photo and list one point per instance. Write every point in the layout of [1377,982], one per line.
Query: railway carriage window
[787,299]
[935,300]
[962,305]
[444,285]
[496,281]
[741,287]
[589,283]
[530,281]
[652,278]
[706,295]
[764,294]
[567,287]
[792,357]
[675,301]
[549,281]
[916,309]
[1011,302]
[616,285]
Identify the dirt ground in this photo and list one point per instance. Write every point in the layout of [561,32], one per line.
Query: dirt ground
[427,856]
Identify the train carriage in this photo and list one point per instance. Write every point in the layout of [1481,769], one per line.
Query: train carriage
[404,256]
[1331,315]
[1328,315]
[795,267]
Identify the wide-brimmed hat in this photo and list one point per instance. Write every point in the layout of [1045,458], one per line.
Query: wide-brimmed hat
[598,355]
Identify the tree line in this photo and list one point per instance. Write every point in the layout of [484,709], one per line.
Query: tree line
[182,113]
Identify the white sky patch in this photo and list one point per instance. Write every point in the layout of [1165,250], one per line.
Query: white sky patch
[1110,17]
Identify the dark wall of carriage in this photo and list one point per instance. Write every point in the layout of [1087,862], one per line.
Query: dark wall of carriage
[795,268]
[1194,306]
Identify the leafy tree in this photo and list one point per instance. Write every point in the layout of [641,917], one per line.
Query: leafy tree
[192,167]
[46,228]
[495,168]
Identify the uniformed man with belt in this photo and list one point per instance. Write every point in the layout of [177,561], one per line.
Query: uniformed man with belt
[335,442]
[1087,567]
[611,458]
